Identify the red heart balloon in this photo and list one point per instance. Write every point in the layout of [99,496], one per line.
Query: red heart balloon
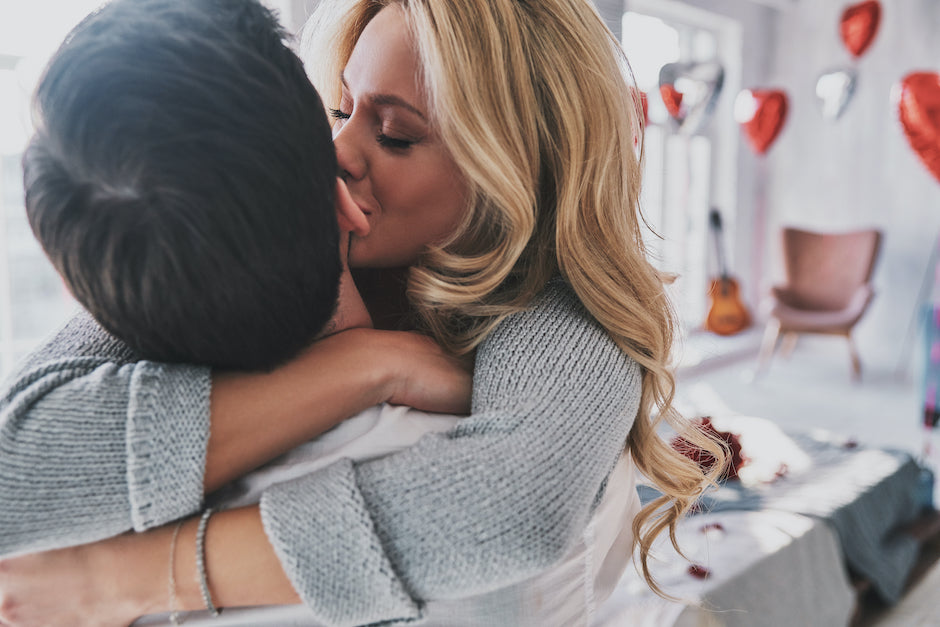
[859,24]
[762,113]
[672,98]
[919,111]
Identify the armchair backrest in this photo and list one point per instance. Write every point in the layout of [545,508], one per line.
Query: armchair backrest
[824,270]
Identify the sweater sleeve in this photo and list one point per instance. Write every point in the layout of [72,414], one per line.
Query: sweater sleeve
[500,497]
[94,443]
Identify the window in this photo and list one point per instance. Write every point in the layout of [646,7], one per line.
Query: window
[33,300]
[685,175]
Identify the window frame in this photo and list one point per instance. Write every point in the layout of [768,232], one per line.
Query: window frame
[722,185]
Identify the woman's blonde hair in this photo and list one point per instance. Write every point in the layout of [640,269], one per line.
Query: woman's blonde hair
[535,101]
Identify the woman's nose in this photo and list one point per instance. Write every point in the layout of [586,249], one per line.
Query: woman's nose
[351,161]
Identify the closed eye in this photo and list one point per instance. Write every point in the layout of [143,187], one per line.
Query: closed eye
[394,143]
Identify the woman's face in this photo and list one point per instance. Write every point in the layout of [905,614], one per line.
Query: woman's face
[390,154]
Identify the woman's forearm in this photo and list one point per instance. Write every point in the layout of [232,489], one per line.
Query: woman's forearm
[256,417]
[240,564]
[114,581]
[241,568]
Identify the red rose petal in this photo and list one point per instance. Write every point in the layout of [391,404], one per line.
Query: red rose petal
[699,572]
[711,527]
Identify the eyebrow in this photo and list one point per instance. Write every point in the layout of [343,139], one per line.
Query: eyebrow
[390,99]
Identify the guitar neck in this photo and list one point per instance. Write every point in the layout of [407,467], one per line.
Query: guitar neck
[715,221]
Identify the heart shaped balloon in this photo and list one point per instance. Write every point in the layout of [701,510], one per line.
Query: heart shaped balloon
[690,91]
[859,25]
[761,113]
[919,111]
[672,99]
[834,91]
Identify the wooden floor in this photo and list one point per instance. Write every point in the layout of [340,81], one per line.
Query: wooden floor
[919,604]
[919,607]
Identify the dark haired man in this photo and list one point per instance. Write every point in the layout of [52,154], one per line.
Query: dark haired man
[185,186]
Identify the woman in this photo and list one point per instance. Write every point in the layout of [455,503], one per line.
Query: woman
[515,204]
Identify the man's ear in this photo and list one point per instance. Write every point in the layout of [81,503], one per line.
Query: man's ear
[348,214]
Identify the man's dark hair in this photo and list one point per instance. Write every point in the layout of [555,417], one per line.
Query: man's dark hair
[182,181]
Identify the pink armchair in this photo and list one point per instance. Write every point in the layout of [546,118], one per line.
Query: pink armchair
[827,288]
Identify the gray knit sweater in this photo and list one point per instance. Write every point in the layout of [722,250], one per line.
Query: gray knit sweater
[94,442]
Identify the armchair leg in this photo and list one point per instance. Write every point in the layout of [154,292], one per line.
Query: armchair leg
[768,344]
[856,361]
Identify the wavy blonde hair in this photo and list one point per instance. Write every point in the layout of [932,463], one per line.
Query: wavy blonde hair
[534,99]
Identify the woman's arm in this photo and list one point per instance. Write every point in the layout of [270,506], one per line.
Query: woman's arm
[94,442]
[114,581]
[497,499]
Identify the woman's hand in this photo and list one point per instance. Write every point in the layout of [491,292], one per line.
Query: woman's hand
[405,368]
[398,367]
[426,377]
[70,586]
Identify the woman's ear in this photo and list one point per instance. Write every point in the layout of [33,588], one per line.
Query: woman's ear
[348,214]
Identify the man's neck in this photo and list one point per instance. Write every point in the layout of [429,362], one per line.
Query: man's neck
[351,311]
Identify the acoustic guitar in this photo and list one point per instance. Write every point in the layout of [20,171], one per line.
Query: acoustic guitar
[727,315]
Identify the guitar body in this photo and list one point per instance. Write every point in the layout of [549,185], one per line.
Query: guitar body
[727,315]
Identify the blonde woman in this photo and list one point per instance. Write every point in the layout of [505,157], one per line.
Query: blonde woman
[491,147]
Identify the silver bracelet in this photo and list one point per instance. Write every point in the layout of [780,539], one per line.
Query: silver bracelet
[201,562]
[171,580]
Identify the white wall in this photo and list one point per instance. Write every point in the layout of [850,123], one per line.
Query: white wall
[859,170]
[837,175]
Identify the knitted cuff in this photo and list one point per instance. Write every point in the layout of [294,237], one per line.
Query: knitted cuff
[167,435]
[326,542]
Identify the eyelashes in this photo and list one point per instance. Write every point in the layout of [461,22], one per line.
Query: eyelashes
[393,142]
[386,141]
